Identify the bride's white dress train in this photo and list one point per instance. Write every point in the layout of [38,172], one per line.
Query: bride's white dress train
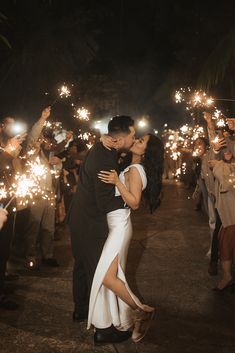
[105,308]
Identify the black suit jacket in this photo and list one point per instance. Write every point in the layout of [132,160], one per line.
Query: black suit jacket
[93,199]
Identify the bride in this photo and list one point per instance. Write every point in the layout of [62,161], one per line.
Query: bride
[111,300]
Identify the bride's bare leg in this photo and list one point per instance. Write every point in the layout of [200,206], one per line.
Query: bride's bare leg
[112,282]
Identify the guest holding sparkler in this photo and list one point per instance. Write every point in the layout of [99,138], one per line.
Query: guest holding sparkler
[41,223]
[8,149]
[72,159]
[225,200]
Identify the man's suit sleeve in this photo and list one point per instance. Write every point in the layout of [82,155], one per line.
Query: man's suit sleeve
[105,193]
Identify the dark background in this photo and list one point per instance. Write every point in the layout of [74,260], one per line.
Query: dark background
[124,57]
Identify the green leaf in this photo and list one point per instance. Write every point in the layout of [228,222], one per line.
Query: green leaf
[2,17]
[5,41]
[219,62]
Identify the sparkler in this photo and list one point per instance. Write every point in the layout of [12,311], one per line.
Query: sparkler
[82,114]
[3,192]
[47,125]
[216,140]
[196,99]
[184,129]
[198,131]
[180,139]
[184,168]
[37,169]
[22,187]
[31,152]
[64,92]
[26,186]
[196,152]
[200,100]
[221,123]
[231,179]
[84,136]
[171,144]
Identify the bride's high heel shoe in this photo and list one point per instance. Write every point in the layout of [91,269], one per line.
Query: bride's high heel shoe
[142,321]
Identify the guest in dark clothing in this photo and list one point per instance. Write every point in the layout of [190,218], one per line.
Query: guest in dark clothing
[6,176]
[72,159]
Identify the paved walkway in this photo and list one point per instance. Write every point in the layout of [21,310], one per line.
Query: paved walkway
[167,265]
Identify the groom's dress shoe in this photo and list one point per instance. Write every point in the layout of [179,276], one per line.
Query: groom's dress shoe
[111,335]
[80,316]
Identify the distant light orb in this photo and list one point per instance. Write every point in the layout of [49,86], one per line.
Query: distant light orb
[101,125]
[142,123]
[97,124]
[18,128]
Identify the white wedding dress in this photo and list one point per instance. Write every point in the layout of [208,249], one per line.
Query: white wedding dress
[105,308]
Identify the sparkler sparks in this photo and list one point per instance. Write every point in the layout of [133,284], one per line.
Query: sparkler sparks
[184,129]
[85,136]
[37,169]
[3,191]
[216,140]
[199,100]
[195,99]
[27,186]
[221,123]
[231,179]
[24,186]
[82,114]
[47,124]
[178,97]
[64,91]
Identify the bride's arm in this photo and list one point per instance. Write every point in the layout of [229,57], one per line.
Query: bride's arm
[131,197]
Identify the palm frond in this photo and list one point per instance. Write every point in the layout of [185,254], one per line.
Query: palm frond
[2,17]
[5,41]
[218,62]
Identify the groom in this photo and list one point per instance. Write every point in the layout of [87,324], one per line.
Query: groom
[87,219]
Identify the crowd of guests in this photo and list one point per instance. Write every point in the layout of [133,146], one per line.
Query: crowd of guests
[216,183]
[36,222]
[210,169]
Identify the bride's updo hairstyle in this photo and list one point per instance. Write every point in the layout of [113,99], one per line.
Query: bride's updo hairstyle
[153,163]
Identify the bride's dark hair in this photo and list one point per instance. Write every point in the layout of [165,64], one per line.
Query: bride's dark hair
[153,162]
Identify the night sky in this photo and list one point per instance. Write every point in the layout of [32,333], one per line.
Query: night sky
[124,57]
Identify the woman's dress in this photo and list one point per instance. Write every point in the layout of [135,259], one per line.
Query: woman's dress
[105,308]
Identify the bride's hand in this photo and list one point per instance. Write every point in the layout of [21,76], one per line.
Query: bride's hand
[108,177]
[107,141]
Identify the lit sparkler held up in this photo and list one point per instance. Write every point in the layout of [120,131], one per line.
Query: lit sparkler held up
[198,99]
[64,92]
[82,114]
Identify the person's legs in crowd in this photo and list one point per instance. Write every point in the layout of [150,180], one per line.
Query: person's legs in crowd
[5,244]
[46,234]
[213,266]
[32,233]
[227,251]
[212,220]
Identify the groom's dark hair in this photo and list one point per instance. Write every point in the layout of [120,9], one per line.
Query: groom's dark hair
[120,124]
